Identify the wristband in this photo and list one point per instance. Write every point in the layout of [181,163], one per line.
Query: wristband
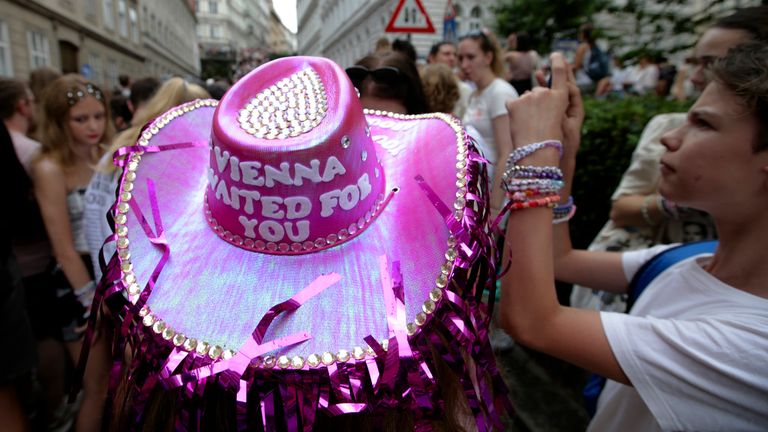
[521,152]
[85,294]
[644,210]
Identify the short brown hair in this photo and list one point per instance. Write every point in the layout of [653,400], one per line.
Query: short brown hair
[12,90]
[744,71]
[440,87]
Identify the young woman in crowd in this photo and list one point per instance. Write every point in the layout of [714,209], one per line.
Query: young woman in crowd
[74,128]
[480,61]
[100,194]
[690,355]
[389,81]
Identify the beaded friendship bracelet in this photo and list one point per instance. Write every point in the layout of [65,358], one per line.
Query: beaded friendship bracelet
[526,171]
[515,185]
[532,186]
[521,152]
[547,201]
[563,209]
[644,211]
[568,216]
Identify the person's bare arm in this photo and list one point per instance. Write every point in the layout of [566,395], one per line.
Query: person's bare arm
[51,194]
[529,310]
[503,147]
[578,59]
[636,210]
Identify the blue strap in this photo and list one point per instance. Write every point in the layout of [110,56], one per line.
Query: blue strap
[644,276]
[662,261]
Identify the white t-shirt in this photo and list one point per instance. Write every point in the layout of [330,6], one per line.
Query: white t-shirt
[486,105]
[695,350]
[26,149]
[645,79]
[461,105]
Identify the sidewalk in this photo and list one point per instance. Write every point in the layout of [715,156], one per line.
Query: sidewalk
[545,392]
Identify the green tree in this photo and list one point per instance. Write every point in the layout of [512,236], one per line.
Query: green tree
[545,20]
[660,26]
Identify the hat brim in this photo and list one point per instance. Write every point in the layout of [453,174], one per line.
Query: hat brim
[211,291]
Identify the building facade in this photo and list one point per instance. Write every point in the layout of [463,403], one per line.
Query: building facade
[100,39]
[168,38]
[231,31]
[347,30]
[280,40]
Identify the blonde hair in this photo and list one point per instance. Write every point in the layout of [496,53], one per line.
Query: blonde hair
[440,87]
[488,44]
[173,92]
[58,99]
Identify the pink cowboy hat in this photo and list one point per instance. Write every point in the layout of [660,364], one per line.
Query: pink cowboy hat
[304,254]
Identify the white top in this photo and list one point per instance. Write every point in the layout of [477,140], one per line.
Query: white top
[620,77]
[645,79]
[26,149]
[486,105]
[582,79]
[695,350]
[461,105]
[99,197]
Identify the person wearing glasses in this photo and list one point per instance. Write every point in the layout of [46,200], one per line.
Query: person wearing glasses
[638,210]
[389,81]
[480,61]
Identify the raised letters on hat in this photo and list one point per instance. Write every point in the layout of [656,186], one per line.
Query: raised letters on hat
[286,175]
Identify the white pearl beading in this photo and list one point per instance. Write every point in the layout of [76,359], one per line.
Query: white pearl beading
[289,108]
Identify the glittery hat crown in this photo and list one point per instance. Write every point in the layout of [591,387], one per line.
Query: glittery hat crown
[293,169]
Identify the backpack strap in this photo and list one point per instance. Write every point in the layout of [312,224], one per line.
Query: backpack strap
[662,261]
[644,276]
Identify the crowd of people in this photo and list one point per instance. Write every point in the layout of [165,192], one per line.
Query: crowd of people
[686,356]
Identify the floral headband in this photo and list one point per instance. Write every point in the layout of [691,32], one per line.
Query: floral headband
[75,94]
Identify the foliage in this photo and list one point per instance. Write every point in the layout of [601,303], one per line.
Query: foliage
[654,25]
[611,131]
[631,26]
[543,20]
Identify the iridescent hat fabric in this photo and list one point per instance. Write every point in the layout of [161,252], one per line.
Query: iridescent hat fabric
[303,254]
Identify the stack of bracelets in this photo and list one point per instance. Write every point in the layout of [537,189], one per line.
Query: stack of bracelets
[536,186]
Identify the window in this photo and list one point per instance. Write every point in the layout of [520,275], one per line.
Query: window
[202,30]
[122,18]
[111,73]
[39,50]
[476,12]
[109,13]
[95,62]
[134,18]
[6,67]
[213,6]
[90,9]
[215,31]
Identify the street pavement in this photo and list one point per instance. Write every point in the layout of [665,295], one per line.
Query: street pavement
[545,392]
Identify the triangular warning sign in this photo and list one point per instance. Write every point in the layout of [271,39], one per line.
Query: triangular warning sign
[410,17]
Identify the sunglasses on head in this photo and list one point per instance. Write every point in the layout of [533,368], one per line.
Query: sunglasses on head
[478,34]
[383,75]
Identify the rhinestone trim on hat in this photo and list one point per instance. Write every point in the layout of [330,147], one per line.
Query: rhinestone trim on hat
[156,325]
[289,108]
